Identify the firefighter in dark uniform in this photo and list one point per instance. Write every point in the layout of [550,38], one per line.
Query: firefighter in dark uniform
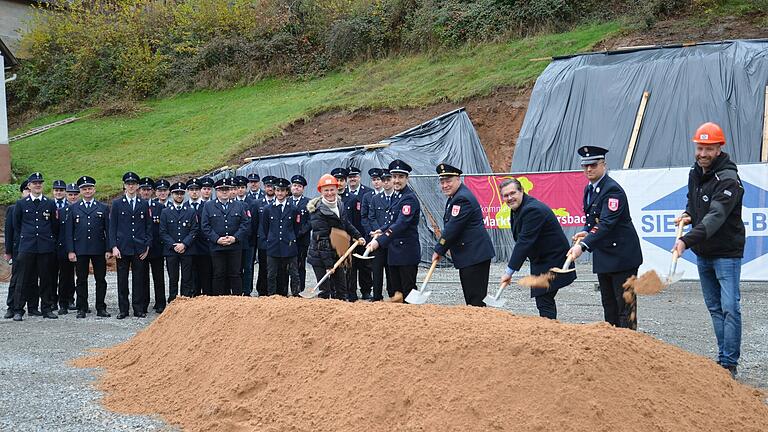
[206,188]
[178,230]
[154,261]
[87,243]
[377,216]
[261,248]
[36,225]
[254,184]
[59,197]
[610,236]
[225,224]
[539,239]
[298,183]
[130,236]
[66,285]
[280,223]
[248,243]
[199,250]
[12,249]
[464,235]
[400,234]
[162,190]
[360,272]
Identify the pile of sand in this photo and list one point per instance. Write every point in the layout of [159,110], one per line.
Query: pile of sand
[275,364]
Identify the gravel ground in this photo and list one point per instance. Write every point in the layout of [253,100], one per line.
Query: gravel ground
[44,393]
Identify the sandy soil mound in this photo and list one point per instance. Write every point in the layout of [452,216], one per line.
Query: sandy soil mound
[275,364]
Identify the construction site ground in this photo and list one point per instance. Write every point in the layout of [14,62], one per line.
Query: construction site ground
[43,392]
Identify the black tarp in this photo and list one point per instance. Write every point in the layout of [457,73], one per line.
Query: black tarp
[593,99]
[450,138]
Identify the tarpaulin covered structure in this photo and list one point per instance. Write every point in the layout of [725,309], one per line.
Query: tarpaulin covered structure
[594,99]
[449,138]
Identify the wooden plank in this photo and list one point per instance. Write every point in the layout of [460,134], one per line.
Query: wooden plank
[636,129]
[764,155]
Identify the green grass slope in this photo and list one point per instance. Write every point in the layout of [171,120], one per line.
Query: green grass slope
[197,132]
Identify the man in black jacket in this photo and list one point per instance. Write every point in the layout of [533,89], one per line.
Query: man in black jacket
[717,237]
[539,238]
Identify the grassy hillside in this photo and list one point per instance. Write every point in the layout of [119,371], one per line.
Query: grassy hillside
[199,131]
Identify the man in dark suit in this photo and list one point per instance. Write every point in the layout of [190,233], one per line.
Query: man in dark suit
[400,233]
[360,272]
[225,224]
[280,222]
[298,183]
[610,236]
[66,284]
[267,198]
[87,242]
[155,264]
[178,229]
[538,238]
[11,250]
[464,235]
[35,223]
[373,216]
[199,250]
[130,236]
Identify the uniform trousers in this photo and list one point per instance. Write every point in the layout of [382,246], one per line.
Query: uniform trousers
[277,284]
[99,274]
[137,267]
[157,267]
[546,305]
[201,274]
[226,272]
[32,266]
[359,272]
[247,261]
[66,282]
[261,282]
[174,263]
[403,278]
[617,312]
[333,287]
[474,282]
[379,268]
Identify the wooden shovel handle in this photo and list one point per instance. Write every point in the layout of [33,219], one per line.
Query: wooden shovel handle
[346,254]
[679,232]
[429,273]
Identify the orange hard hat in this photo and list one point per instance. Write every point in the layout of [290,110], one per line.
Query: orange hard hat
[327,180]
[709,133]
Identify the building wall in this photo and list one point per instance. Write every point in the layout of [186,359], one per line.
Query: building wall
[13,13]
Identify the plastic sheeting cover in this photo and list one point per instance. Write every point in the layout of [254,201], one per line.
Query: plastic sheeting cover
[593,100]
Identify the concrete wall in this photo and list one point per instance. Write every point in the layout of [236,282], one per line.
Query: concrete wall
[13,13]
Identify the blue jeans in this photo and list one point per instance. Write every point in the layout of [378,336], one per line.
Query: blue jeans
[720,287]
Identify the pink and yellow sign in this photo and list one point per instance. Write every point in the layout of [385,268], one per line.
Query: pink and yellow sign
[562,192]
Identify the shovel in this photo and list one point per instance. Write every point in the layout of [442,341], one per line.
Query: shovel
[495,300]
[420,296]
[364,255]
[314,292]
[649,283]
[565,268]
[673,277]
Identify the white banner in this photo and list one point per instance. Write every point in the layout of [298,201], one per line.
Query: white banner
[657,196]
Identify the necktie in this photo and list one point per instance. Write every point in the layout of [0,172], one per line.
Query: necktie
[195,205]
[59,204]
[589,194]
[225,206]
[88,205]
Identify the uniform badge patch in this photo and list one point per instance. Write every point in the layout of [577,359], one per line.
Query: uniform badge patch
[406,210]
[442,241]
[613,204]
[298,218]
[727,192]
[455,210]
[248,212]
[358,206]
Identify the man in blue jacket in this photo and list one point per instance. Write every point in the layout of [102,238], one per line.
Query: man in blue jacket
[178,230]
[87,242]
[400,233]
[610,236]
[11,250]
[538,238]
[280,223]
[130,236]
[464,235]
[298,183]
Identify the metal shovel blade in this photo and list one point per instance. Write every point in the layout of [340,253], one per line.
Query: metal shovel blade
[418,297]
[309,293]
[674,277]
[492,301]
[559,270]
[364,255]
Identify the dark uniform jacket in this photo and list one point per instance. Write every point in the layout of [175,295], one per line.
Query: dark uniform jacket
[321,252]
[401,231]
[302,235]
[262,204]
[279,229]
[365,213]
[216,222]
[61,248]
[200,245]
[714,204]
[464,231]
[87,230]
[178,226]
[11,239]
[130,230]
[540,239]
[156,210]
[354,207]
[611,237]
[36,225]
[250,237]
[378,210]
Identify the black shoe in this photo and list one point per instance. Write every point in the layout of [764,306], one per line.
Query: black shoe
[72,306]
[140,315]
[63,311]
[121,315]
[8,314]
[35,312]
[81,314]
[732,369]
[17,317]
[50,315]
[103,313]
[159,311]
[366,297]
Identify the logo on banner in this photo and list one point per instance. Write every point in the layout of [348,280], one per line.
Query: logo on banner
[455,210]
[658,221]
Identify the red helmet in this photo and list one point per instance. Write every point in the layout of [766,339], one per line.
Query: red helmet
[327,180]
[709,133]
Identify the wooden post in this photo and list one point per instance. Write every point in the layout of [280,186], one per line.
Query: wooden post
[636,130]
[764,154]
